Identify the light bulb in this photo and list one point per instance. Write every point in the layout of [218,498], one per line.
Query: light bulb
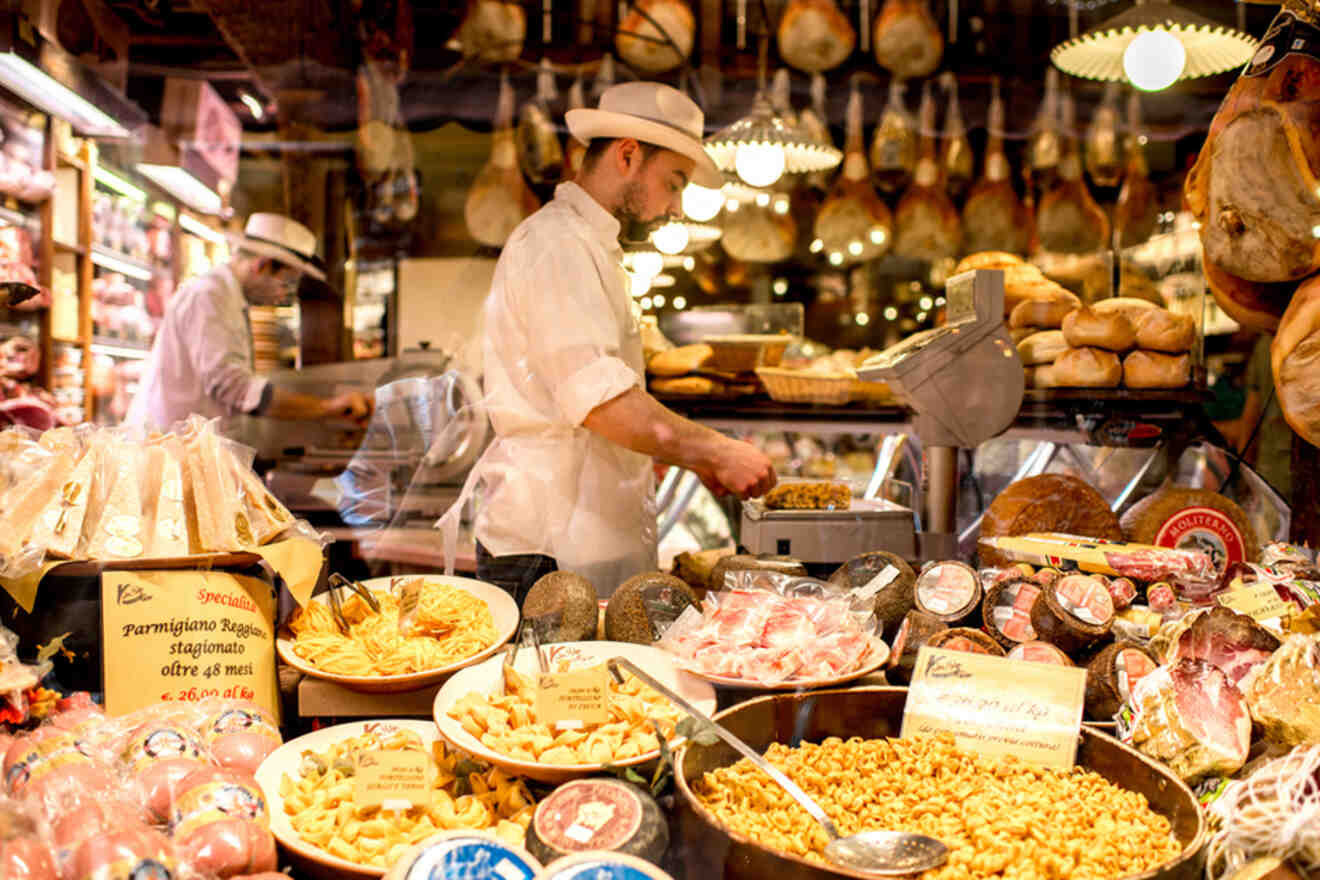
[680,303]
[759,164]
[646,303]
[1154,60]
[638,284]
[926,302]
[877,235]
[648,264]
[817,246]
[836,259]
[732,205]
[780,286]
[658,300]
[701,203]
[891,313]
[855,248]
[762,199]
[670,238]
[689,263]
[863,319]
[781,205]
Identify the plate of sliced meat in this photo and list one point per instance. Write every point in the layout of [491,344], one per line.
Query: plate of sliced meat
[759,640]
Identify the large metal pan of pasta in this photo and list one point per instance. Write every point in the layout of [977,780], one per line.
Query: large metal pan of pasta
[490,712]
[448,623]
[1116,814]
[319,816]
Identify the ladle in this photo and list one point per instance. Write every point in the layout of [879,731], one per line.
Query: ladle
[881,853]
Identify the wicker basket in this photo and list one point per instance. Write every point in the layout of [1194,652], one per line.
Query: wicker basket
[876,393]
[796,386]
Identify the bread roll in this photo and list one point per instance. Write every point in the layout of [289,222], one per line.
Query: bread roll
[1129,306]
[679,361]
[1087,368]
[685,385]
[1150,369]
[1162,330]
[1086,327]
[1017,334]
[1041,376]
[1042,348]
[1046,311]
[987,260]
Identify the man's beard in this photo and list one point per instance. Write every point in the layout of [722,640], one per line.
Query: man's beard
[632,228]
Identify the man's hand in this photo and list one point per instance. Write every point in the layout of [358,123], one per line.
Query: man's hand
[351,406]
[740,469]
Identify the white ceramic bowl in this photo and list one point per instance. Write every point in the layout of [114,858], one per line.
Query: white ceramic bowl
[313,861]
[502,608]
[488,678]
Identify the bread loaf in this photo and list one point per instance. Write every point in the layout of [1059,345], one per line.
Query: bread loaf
[1162,330]
[1042,348]
[1131,307]
[679,361]
[988,260]
[1017,334]
[695,385]
[1087,368]
[1048,503]
[1041,376]
[1108,330]
[1152,369]
[1046,312]
[1023,283]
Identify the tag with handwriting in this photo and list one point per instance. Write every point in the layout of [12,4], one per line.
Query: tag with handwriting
[996,706]
[1259,602]
[579,696]
[395,779]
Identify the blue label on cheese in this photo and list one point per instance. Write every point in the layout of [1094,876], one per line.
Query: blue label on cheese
[470,858]
[603,868]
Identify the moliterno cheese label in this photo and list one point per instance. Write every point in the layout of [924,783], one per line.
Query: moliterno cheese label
[997,706]
[186,635]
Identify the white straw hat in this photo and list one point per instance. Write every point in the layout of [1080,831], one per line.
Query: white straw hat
[282,239]
[651,112]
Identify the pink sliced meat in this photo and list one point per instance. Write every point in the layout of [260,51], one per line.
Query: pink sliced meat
[1230,641]
[1212,708]
[787,627]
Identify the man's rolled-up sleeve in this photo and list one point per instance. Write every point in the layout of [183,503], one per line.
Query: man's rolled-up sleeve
[217,342]
[573,331]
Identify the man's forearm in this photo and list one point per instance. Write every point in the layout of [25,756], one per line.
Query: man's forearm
[285,404]
[639,422]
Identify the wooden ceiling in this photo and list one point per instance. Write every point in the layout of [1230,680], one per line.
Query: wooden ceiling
[299,56]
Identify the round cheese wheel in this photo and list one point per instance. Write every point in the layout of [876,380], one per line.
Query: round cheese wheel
[1193,519]
[563,607]
[601,866]
[644,606]
[459,855]
[598,814]
[1047,503]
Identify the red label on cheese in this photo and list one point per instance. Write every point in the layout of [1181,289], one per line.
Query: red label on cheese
[1207,530]
[588,815]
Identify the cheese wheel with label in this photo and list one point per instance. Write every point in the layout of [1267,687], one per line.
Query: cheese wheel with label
[1193,519]
[1047,503]
[598,814]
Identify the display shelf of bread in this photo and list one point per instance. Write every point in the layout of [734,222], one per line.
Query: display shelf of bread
[111,496]
[689,371]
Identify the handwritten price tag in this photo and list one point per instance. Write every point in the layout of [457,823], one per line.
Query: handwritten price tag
[395,779]
[579,696]
[996,706]
[1258,601]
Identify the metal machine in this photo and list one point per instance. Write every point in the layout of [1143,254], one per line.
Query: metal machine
[964,382]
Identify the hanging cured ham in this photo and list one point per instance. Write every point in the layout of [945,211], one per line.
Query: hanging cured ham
[759,233]
[492,30]
[956,160]
[894,144]
[1068,220]
[1044,146]
[539,151]
[1104,153]
[814,35]
[815,122]
[908,42]
[656,35]
[499,198]
[927,226]
[1254,186]
[853,222]
[1295,357]
[994,218]
[574,149]
[1138,206]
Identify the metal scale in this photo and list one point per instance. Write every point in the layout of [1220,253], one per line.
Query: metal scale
[964,382]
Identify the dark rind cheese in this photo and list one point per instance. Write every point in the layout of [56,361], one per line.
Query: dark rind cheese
[464,855]
[746,562]
[1111,675]
[892,601]
[1071,625]
[916,629]
[602,866]
[598,814]
[1193,519]
[645,606]
[562,606]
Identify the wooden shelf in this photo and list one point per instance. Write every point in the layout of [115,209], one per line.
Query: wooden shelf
[69,248]
[107,259]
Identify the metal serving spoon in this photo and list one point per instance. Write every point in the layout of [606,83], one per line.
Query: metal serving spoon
[882,853]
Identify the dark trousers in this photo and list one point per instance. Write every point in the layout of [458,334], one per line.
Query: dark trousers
[514,574]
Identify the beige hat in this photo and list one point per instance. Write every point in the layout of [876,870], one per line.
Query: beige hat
[283,239]
[651,112]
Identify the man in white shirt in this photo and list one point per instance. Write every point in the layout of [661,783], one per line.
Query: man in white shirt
[569,480]
[201,362]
